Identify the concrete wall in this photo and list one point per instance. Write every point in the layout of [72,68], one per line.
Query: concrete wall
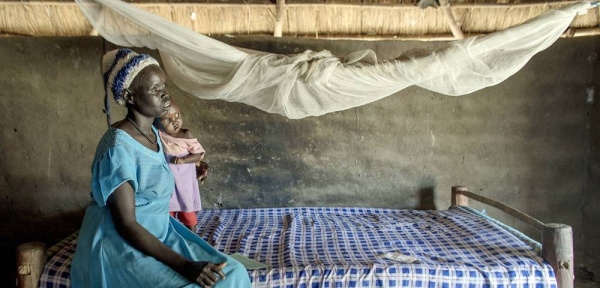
[591,200]
[525,142]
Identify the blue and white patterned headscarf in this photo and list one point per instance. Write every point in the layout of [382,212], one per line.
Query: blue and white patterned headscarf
[119,68]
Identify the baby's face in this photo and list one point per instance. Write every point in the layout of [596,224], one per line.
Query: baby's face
[172,120]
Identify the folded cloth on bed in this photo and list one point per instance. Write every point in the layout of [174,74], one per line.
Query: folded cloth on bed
[342,247]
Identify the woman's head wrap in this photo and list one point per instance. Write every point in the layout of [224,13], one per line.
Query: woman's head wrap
[119,68]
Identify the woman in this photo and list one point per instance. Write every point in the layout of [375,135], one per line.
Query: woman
[127,238]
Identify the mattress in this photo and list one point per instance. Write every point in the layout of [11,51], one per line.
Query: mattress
[346,247]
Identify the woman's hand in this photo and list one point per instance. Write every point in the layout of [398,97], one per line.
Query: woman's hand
[202,273]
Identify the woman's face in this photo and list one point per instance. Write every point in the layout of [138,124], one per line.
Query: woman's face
[150,97]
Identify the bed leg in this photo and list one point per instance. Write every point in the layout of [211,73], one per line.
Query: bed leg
[557,249]
[31,258]
[457,198]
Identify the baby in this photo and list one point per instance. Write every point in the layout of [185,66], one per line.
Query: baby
[184,154]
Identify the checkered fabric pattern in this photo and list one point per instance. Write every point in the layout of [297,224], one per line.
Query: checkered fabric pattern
[56,271]
[342,247]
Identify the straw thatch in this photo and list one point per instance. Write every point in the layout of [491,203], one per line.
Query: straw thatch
[339,20]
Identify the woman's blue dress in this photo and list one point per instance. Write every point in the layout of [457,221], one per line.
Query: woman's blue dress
[103,258]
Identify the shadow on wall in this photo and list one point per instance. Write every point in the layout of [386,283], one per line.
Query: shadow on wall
[26,222]
[426,194]
[34,231]
[426,199]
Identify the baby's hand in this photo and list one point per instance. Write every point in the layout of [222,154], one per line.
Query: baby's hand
[201,171]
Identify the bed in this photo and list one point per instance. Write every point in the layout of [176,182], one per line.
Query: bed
[364,247]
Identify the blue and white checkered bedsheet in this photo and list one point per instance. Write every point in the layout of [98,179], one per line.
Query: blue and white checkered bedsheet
[342,247]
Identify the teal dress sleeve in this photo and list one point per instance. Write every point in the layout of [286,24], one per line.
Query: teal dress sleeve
[111,169]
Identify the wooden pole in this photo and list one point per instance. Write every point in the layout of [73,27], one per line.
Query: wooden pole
[278,16]
[31,258]
[583,32]
[458,199]
[557,249]
[537,224]
[445,6]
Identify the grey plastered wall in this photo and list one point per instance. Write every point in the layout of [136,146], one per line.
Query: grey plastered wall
[525,142]
[591,209]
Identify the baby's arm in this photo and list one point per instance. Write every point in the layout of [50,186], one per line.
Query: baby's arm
[192,158]
[121,204]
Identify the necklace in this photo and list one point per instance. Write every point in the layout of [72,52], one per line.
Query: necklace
[143,134]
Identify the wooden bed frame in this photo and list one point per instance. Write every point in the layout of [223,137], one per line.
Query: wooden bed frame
[557,244]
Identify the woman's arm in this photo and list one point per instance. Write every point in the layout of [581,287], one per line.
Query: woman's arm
[121,204]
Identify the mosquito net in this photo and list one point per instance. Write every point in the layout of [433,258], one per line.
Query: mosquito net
[315,83]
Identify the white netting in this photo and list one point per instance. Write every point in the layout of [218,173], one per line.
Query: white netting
[315,83]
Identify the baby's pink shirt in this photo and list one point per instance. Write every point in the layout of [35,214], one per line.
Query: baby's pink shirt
[173,145]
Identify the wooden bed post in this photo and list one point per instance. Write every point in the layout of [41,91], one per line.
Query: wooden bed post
[457,198]
[31,258]
[557,249]
[557,239]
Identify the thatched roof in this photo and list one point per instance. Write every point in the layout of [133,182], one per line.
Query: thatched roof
[368,19]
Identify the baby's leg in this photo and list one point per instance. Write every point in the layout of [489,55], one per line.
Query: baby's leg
[189,220]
